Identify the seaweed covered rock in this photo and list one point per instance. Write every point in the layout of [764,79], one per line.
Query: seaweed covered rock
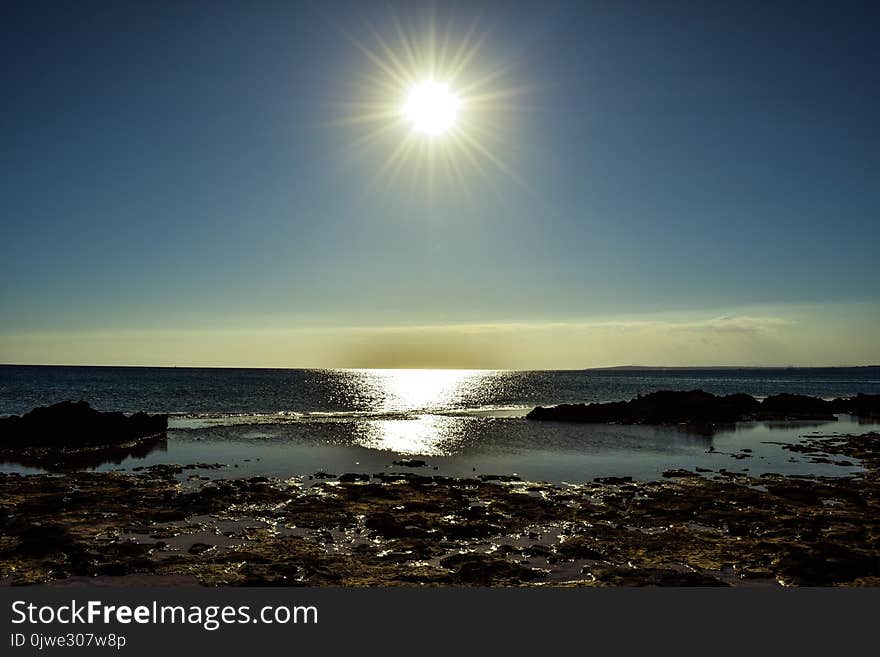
[74,424]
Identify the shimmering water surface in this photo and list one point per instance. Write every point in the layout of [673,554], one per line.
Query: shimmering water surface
[297,422]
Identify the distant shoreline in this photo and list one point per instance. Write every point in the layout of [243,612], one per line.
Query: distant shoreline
[610,368]
[666,368]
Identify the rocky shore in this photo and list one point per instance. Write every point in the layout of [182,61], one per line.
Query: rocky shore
[699,407]
[403,528]
[170,524]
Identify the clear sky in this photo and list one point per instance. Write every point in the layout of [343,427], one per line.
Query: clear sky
[674,183]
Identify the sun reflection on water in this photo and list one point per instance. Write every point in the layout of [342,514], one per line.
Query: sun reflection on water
[417,394]
[420,390]
[428,435]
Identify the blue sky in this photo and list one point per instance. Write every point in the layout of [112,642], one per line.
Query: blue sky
[177,186]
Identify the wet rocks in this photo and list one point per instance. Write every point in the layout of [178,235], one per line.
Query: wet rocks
[613,480]
[825,564]
[350,477]
[391,526]
[484,570]
[410,463]
[677,531]
[46,539]
[578,547]
[671,474]
[651,577]
[409,477]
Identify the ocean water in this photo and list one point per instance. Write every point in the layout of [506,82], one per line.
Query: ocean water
[297,422]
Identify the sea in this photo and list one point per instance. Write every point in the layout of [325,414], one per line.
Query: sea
[295,423]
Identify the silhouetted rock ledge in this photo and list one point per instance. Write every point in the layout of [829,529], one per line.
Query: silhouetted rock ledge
[700,407]
[76,424]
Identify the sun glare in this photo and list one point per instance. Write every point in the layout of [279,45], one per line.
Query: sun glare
[435,107]
[431,108]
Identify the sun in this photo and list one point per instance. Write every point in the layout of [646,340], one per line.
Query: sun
[431,108]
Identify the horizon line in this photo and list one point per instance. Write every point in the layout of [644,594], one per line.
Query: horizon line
[473,369]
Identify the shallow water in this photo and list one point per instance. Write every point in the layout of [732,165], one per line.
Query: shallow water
[468,446]
[286,423]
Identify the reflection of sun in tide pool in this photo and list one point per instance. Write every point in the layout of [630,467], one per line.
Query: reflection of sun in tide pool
[414,394]
[423,436]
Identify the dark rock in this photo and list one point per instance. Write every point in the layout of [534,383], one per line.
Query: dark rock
[475,512]
[653,577]
[397,556]
[469,529]
[503,478]
[112,569]
[537,550]
[701,411]
[131,549]
[826,564]
[671,474]
[861,405]
[409,477]
[167,470]
[483,570]
[73,424]
[613,480]
[578,547]
[662,407]
[410,463]
[44,540]
[390,526]
[793,407]
[351,477]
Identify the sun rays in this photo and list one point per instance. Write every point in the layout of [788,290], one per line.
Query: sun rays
[428,109]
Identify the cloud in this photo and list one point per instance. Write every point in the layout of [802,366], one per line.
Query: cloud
[812,336]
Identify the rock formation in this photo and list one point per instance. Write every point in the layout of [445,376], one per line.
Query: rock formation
[76,424]
[699,407]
